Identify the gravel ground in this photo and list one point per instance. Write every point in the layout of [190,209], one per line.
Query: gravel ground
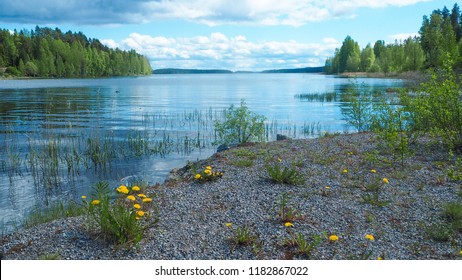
[327,201]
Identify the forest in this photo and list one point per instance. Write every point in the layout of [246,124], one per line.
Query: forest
[439,40]
[50,53]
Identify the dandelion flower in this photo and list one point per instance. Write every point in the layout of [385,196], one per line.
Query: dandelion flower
[289,224]
[140,213]
[327,187]
[131,197]
[122,189]
[95,202]
[385,180]
[84,197]
[279,159]
[345,171]
[207,171]
[374,171]
[137,206]
[379,258]
[142,195]
[147,199]
[208,168]
[333,237]
[136,189]
[198,176]
[460,253]
[228,224]
[370,237]
[137,218]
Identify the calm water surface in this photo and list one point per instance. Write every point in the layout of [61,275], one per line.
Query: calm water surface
[37,115]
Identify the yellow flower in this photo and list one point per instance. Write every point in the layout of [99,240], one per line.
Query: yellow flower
[147,199]
[123,189]
[140,213]
[345,171]
[228,224]
[198,176]
[385,180]
[460,253]
[333,237]
[142,195]
[279,159]
[327,187]
[136,188]
[137,206]
[374,171]
[208,168]
[379,258]
[95,202]
[131,197]
[137,218]
[289,224]
[84,197]
[370,237]
[207,171]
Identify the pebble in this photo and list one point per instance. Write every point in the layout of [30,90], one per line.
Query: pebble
[193,215]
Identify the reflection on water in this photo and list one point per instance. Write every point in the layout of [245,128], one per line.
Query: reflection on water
[58,137]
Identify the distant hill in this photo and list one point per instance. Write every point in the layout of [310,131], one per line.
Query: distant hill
[297,70]
[190,71]
[219,71]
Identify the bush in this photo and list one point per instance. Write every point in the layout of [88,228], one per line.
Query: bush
[438,106]
[240,126]
[284,175]
[358,112]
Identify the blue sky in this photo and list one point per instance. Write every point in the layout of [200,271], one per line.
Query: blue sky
[235,35]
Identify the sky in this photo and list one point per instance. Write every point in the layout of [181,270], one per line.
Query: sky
[218,34]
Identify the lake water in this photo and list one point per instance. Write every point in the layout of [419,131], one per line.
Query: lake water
[58,137]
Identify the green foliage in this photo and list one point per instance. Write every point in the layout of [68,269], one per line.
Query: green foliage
[207,175]
[240,125]
[285,211]
[392,125]
[452,213]
[46,52]
[304,246]
[439,232]
[454,171]
[242,236]
[124,220]
[284,175]
[438,106]
[53,212]
[358,111]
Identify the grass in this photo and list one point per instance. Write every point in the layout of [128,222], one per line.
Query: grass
[242,236]
[242,163]
[55,211]
[284,175]
[303,245]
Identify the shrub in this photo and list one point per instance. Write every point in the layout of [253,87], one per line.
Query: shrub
[393,127]
[358,112]
[438,106]
[240,125]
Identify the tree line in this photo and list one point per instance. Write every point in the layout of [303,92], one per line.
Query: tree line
[439,40]
[50,53]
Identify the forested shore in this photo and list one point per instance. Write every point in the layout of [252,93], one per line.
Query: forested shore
[439,41]
[51,53]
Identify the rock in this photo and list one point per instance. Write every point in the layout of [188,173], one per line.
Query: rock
[280,137]
[225,147]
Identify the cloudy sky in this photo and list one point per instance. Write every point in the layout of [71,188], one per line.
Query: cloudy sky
[235,35]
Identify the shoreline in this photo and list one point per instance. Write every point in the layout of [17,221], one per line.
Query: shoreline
[329,201]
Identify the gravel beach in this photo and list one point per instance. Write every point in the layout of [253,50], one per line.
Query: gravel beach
[342,192]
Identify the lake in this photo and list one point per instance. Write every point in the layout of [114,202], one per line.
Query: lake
[60,136]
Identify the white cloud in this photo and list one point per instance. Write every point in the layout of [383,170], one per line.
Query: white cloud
[220,51]
[403,36]
[210,12]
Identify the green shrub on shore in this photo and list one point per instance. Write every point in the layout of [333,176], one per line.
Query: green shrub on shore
[240,125]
